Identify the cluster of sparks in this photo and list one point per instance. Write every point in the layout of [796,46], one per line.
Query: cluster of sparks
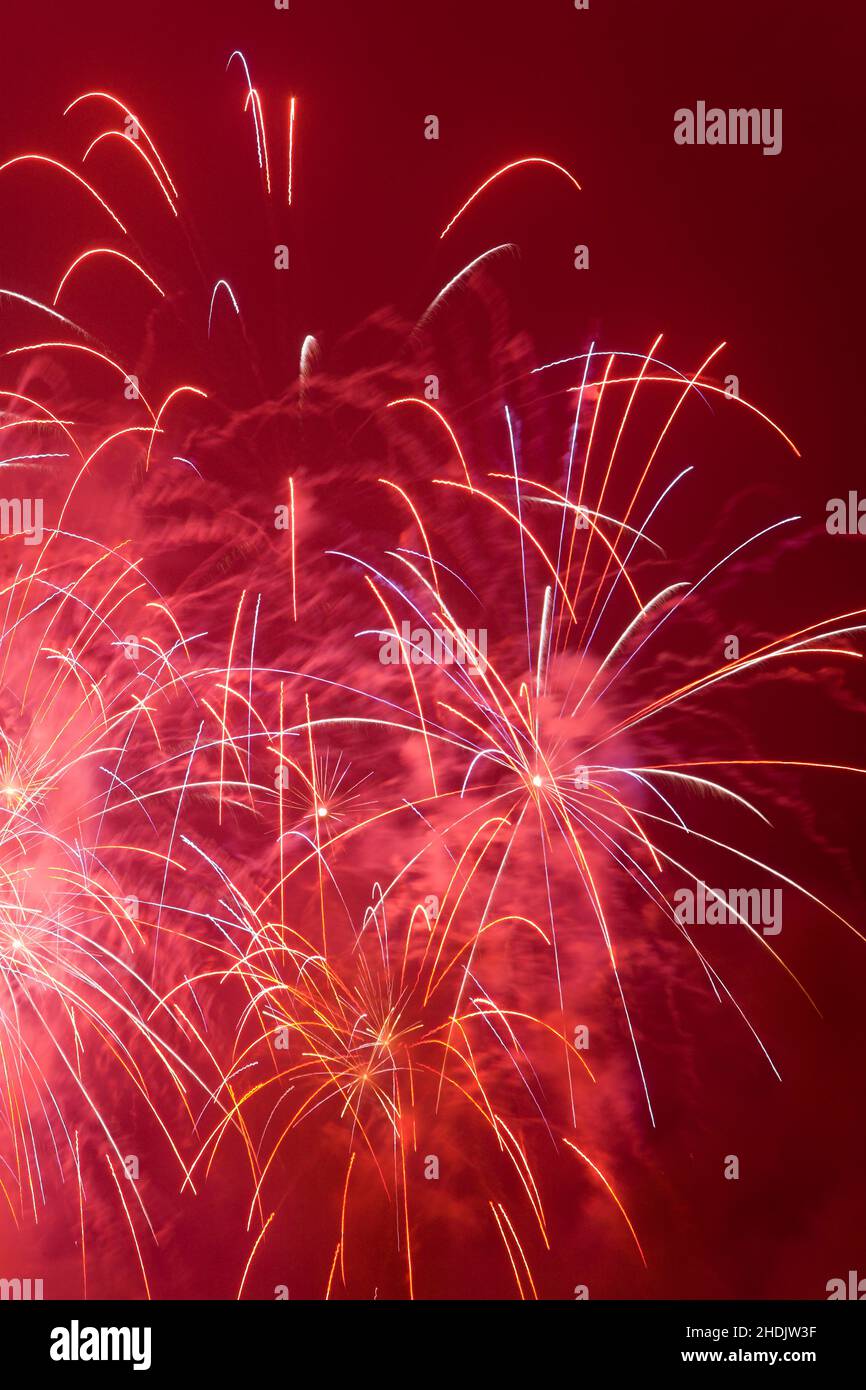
[268,1011]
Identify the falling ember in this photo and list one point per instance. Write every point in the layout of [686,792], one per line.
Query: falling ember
[291,146]
[292,549]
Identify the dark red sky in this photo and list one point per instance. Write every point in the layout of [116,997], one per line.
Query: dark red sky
[701,244]
[757,243]
[767,249]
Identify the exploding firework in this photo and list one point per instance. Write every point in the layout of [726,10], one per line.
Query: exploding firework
[357,751]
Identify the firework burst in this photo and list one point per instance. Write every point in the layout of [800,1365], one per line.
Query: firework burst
[339,779]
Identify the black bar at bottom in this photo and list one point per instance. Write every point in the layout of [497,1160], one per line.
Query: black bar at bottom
[63,1339]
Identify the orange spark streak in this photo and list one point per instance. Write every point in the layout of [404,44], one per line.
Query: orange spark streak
[291,145]
[226,698]
[515,164]
[256,1245]
[127,140]
[107,96]
[81,1214]
[613,1195]
[45,159]
[131,1227]
[417,400]
[106,251]
[343,1216]
[193,390]
[292,545]
[253,96]
[331,1275]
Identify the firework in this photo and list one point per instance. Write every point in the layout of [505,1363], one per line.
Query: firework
[340,782]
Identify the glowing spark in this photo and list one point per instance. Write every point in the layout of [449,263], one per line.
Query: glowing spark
[56,164]
[291,145]
[221,284]
[106,251]
[515,164]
